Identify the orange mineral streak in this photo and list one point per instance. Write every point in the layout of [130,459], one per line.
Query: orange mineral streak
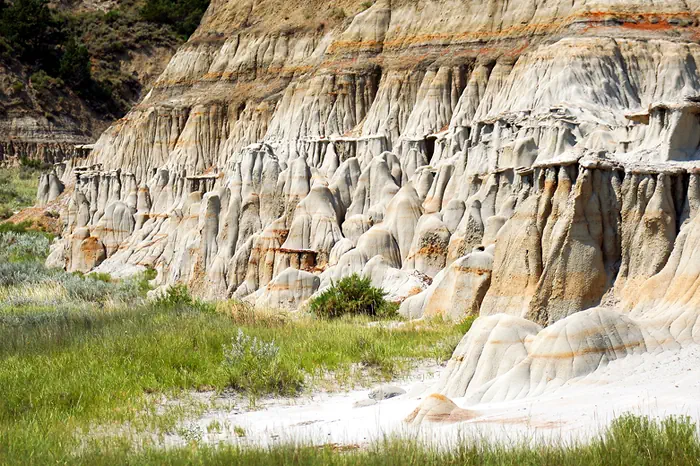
[439,397]
[474,270]
[504,342]
[584,351]
[431,250]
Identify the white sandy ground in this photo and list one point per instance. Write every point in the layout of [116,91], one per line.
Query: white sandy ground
[657,385]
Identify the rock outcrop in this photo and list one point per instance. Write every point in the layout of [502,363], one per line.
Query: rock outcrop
[536,165]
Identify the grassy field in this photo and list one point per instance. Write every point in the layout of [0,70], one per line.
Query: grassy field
[85,362]
[78,353]
[18,186]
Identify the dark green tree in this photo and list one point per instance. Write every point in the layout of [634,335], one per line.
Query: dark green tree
[32,31]
[74,67]
[182,15]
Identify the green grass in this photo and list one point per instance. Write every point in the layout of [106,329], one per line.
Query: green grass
[59,373]
[18,187]
[85,361]
[630,440]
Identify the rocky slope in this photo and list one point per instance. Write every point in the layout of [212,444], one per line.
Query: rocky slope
[42,118]
[521,161]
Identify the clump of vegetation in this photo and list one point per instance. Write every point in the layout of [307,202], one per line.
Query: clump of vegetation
[255,367]
[178,297]
[352,296]
[337,14]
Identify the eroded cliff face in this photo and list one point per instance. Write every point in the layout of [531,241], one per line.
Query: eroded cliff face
[519,161]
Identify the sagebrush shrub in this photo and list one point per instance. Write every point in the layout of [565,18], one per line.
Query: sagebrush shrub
[256,367]
[16,247]
[26,282]
[352,296]
[179,297]
[17,273]
[87,289]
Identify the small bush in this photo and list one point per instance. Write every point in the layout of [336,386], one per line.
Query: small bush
[255,367]
[42,82]
[17,87]
[179,297]
[22,247]
[100,277]
[352,296]
[175,296]
[112,16]
[31,164]
[337,14]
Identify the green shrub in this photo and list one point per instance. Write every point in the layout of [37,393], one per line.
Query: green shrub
[149,274]
[465,324]
[254,366]
[17,87]
[351,296]
[179,297]
[23,247]
[42,82]
[100,277]
[112,16]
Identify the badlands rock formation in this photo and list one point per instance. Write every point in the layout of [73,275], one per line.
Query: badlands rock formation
[533,163]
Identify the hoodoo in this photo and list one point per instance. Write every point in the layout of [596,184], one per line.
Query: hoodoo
[536,164]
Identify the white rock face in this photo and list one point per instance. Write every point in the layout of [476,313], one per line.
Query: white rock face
[535,165]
